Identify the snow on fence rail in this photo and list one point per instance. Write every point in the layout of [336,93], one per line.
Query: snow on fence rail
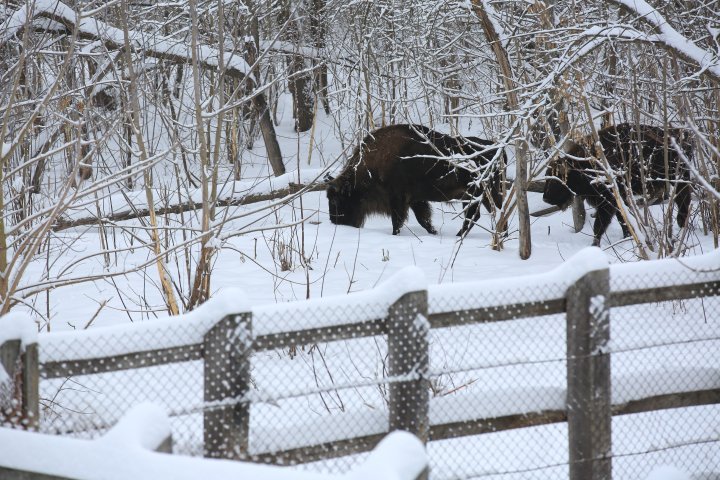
[135,447]
[225,333]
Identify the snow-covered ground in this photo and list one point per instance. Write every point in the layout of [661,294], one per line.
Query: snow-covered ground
[334,391]
[314,259]
[324,391]
[126,451]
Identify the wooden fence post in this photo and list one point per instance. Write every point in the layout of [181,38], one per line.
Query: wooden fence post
[226,417]
[22,367]
[408,330]
[588,377]
[31,385]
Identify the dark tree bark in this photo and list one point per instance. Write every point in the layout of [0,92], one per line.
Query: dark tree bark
[268,132]
[300,86]
[318,31]
[262,111]
[300,78]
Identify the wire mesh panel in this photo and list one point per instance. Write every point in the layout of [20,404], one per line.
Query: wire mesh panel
[512,379]
[499,366]
[89,379]
[321,393]
[686,438]
[87,405]
[525,453]
[665,358]
[307,394]
[491,377]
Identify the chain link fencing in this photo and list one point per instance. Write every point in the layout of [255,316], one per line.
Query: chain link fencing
[488,390]
[665,375]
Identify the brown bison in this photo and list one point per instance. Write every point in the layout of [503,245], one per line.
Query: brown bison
[404,167]
[636,155]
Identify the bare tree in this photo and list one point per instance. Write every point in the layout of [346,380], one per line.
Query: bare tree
[149,106]
[300,75]
[485,13]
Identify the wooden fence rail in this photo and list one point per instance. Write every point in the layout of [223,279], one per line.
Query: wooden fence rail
[228,346]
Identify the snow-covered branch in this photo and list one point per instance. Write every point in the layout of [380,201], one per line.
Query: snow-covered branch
[92,29]
[668,37]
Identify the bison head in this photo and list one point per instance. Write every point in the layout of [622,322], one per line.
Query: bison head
[556,191]
[343,203]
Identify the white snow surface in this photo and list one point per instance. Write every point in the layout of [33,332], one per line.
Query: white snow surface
[357,307]
[145,425]
[522,289]
[668,472]
[186,329]
[18,326]
[125,452]
[666,272]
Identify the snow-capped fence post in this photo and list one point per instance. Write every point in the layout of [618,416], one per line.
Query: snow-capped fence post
[588,377]
[19,358]
[408,330]
[226,418]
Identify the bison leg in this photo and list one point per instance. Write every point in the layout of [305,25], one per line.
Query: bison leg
[604,212]
[682,200]
[623,225]
[398,214]
[423,213]
[472,215]
[487,202]
[472,208]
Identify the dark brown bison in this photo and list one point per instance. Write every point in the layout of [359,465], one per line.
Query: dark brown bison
[404,167]
[636,155]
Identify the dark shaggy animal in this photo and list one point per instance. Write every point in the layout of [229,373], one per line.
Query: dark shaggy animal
[404,167]
[636,155]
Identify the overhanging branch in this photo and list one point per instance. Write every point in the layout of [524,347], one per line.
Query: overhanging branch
[112,38]
[667,37]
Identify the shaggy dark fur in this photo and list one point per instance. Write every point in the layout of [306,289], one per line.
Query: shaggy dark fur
[404,167]
[637,157]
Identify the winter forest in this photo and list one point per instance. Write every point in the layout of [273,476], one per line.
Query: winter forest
[130,129]
[154,154]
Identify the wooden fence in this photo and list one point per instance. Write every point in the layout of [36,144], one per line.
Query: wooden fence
[587,303]
[141,439]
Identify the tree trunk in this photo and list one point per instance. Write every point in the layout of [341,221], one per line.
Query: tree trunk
[134,118]
[318,30]
[299,84]
[260,105]
[521,147]
[300,78]
[268,132]
[557,116]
